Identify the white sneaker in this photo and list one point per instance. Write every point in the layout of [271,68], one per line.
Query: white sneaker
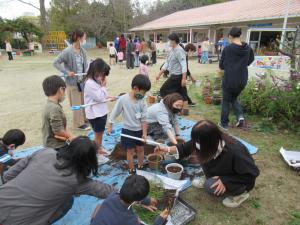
[235,201]
[198,182]
[241,122]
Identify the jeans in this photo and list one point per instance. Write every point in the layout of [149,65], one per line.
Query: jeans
[204,57]
[210,181]
[136,59]
[230,96]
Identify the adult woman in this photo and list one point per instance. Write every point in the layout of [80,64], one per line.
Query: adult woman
[162,118]
[189,48]
[229,168]
[39,189]
[130,54]
[75,61]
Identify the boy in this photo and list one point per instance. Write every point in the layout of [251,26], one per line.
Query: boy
[54,121]
[134,109]
[10,141]
[116,209]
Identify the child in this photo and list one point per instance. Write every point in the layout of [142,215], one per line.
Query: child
[144,65]
[120,58]
[54,123]
[10,141]
[134,109]
[199,53]
[112,54]
[95,92]
[116,209]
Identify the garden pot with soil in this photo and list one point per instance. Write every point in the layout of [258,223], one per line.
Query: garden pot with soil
[174,170]
[208,100]
[154,161]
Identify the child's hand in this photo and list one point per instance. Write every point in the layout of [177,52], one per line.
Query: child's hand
[144,137]
[164,214]
[153,202]
[111,98]
[71,74]
[150,208]
[108,129]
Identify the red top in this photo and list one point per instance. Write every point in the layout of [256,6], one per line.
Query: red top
[122,43]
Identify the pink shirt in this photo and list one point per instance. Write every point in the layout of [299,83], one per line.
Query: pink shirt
[120,55]
[144,69]
[93,92]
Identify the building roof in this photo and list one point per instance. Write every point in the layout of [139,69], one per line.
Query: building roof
[228,12]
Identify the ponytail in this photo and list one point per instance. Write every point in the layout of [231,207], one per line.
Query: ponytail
[76,35]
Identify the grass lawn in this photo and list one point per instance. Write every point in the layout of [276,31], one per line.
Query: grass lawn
[275,199]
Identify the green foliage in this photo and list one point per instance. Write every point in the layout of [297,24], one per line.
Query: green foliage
[279,102]
[295,218]
[157,192]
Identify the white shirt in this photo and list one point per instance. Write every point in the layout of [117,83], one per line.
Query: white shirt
[8,47]
[112,50]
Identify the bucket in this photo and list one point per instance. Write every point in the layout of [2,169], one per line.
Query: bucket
[174,170]
[198,83]
[154,161]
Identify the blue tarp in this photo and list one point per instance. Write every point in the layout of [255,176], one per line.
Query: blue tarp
[113,173]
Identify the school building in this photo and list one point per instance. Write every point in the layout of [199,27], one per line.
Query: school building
[261,22]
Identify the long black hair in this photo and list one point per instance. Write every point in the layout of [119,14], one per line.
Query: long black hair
[13,136]
[206,137]
[96,68]
[80,157]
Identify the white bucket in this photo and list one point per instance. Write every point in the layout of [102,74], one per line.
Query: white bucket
[174,175]
[198,83]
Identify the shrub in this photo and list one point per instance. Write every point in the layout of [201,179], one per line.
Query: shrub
[275,99]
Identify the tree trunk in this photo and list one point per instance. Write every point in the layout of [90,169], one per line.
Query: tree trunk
[43,21]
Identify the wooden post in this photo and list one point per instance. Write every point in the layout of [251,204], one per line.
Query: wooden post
[191,35]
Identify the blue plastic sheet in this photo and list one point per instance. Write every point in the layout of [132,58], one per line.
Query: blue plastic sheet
[113,173]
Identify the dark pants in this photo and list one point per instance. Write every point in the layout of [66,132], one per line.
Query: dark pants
[62,211]
[130,61]
[230,97]
[209,182]
[153,57]
[10,57]
[173,85]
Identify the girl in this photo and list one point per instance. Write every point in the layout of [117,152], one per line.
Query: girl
[40,188]
[120,56]
[144,65]
[162,118]
[112,54]
[75,61]
[229,168]
[95,92]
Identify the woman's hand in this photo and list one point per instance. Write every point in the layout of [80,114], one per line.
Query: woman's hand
[183,82]
[152,206]
[161,150]
[220,187]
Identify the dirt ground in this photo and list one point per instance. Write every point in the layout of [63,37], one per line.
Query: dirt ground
[275,199]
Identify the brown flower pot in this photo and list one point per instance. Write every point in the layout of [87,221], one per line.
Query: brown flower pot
[208,100]
[154,161]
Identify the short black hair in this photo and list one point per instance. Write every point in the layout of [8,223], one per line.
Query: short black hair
[235,32]
[144,59]
[79,158]
[14,136]
[98,66]
[142,82]
[135,188]
[52,84]
[174,37]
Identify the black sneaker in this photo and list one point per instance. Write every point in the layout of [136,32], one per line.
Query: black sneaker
[224,127]
[84,127]
[192,104]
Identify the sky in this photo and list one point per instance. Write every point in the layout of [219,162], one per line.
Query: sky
[10,9]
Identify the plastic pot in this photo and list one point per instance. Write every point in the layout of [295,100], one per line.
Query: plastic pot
[174,170]
[154,161]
